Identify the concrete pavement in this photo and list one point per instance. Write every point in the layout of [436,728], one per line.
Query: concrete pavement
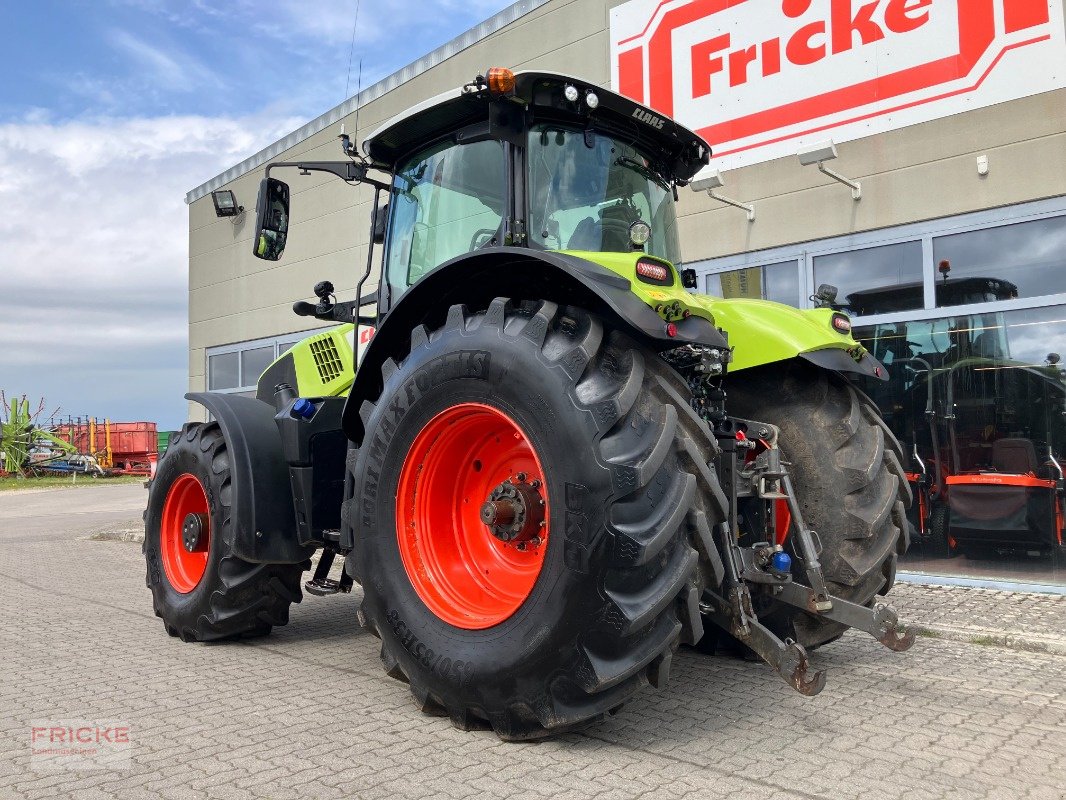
[308,712]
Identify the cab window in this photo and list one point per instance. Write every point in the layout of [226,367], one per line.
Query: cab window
[446,200]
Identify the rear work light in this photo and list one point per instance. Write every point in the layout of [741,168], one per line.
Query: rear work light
[841,324]
[500,80]
[653,272]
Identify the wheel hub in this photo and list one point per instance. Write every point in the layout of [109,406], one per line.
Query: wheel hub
[514,512]
[192,531]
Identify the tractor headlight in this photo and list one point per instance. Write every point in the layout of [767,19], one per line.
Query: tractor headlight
[639,233]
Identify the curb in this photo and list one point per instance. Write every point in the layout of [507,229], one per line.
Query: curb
[1013,640]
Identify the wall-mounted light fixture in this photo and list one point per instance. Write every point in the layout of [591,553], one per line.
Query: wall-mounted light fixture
[712,180]
[827,151]
[225,203]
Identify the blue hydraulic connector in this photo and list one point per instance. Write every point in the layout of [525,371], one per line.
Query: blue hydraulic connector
[303,408]
[781,562]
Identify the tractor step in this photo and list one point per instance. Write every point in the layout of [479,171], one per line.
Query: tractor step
[321,585]
[328,586]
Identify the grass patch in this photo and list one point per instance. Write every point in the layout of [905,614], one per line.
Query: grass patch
[986,641]
[926,633]
[8,483]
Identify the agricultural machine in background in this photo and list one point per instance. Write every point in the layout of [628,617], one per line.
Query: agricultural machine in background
[77,446]
[27,448]
[554,463]
[984,431]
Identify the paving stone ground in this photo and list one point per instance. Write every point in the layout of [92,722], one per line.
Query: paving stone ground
[308,712]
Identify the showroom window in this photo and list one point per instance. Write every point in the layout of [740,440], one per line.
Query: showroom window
[874,280]
[1027,259]
[778,282]
[1013,256]
[968,314]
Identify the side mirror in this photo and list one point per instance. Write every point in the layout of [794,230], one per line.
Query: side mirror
[826,296]
[688,278]
[380,221]
[271,219]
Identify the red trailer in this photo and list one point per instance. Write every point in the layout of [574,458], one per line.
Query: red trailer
[123,448]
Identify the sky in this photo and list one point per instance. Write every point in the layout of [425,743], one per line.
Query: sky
[110,111]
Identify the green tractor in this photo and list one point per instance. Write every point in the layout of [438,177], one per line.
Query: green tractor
[552,467]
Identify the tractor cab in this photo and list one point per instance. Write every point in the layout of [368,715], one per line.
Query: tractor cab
[530,160]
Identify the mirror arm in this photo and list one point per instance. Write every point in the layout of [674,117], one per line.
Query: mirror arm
[338,312]
[348,171]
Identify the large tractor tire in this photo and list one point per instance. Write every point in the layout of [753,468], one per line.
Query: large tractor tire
[199,587]
[846,468]
[533,509]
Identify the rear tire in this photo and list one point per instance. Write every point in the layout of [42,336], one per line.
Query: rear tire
[846,467]
[631,503]
[214,595]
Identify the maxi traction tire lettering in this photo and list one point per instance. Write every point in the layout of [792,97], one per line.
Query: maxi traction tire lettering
[632,505]
[846,467]
[233,597]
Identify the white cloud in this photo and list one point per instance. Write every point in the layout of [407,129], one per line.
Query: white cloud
[93,227]
[94,254]
[174,71]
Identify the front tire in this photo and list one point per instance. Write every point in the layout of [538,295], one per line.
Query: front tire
[596,609]
[846,467]
[200,589]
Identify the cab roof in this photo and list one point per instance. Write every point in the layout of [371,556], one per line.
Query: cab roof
[540,94]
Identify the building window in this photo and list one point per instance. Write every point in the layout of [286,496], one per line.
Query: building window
[222,371]
[235,368]
[778,282]
[993,377]
[253,362]
[875,280]
[1026,259]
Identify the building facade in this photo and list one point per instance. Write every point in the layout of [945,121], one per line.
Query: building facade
[950,115]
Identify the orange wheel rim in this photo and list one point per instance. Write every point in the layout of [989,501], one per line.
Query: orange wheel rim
[185,533]
[472,479]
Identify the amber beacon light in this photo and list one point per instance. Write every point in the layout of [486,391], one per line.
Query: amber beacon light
[500,80]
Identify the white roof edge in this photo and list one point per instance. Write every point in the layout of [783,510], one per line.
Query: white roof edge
[429,102]
[385,85]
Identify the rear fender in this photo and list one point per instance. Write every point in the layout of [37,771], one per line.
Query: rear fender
[763,332]
[475,279]
[263,519]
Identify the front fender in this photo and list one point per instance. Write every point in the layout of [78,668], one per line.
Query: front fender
[263,518]
[475,279]
[764,332]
